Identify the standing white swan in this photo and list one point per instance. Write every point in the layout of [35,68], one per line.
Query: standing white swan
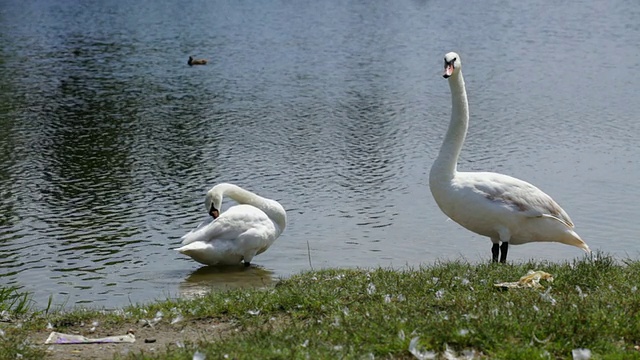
[504,208]
[238,234]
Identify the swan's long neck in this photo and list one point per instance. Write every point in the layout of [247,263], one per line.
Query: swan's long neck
[272,208]
[445,166]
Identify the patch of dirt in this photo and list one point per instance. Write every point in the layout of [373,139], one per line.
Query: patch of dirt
[149,340]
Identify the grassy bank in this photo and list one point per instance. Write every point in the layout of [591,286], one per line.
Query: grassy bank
[445,308]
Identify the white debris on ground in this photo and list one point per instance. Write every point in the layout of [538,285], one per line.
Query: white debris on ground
[152,322]
[547,296]
[449,354]
[581,354]
[177,319]
[420,354]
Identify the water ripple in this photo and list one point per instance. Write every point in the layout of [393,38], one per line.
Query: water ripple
[110,141]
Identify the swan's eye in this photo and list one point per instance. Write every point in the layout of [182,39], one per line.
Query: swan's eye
[454,59]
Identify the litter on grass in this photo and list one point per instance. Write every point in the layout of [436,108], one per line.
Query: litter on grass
[60,338]
[530,280]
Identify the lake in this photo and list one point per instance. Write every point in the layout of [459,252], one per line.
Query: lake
[337,109]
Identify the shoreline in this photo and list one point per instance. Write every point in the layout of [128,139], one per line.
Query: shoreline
[428,312]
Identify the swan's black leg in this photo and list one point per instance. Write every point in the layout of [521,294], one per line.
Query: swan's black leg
[503,252]
[495,250]
[247,264]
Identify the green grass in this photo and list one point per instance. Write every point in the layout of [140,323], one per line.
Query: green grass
[13,344]
[11,300]
[355,314]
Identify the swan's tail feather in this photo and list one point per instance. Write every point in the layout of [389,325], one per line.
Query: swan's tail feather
[191,248]
[574,239]
[585,247]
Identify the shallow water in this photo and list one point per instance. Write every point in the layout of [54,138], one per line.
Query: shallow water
[336,109]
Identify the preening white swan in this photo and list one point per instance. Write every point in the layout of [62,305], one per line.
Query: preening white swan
[238,234]
[504,208]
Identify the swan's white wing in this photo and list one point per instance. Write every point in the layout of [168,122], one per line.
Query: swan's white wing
[517,195]
[232,223]
[204,223]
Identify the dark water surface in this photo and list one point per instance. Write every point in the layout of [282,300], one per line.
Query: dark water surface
[108,140]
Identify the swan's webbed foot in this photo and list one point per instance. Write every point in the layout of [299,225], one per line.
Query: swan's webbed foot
[503,252]
[495,251]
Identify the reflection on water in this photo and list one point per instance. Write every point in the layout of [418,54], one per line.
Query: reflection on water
[109,141]
[208,278]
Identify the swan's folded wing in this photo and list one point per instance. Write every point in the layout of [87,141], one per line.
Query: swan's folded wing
[522,197]
[204,223]
[231,224]
[221,228]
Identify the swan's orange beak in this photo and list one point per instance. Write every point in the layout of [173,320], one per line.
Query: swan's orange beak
[448,70]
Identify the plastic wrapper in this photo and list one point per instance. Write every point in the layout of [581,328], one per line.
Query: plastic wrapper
[60,338]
